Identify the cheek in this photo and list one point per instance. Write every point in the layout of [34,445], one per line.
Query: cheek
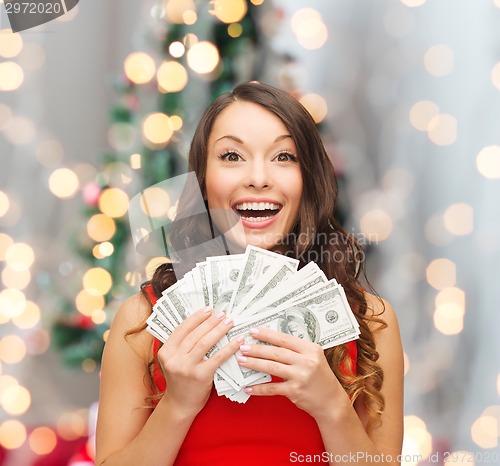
[218,186]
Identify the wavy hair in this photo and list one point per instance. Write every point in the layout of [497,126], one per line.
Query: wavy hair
[316,236]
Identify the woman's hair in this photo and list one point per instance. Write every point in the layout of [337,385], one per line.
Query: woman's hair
[317,236]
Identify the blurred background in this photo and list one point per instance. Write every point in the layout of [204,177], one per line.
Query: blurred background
[102,102]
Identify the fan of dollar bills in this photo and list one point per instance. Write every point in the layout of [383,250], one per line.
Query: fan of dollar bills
[259,288]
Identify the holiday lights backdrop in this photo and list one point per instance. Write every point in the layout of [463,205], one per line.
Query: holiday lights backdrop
[102,103]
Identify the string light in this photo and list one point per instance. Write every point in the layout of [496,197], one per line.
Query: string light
[442,129]
[29,318]
[21,130]
[155,202]
[16,400]
[177,11]
[413,3]
[176,49]
[4,203]
[12,349]
[19,256]
[309,28]
[235,30]
[135,161]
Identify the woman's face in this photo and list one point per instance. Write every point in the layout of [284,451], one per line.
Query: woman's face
[253,174]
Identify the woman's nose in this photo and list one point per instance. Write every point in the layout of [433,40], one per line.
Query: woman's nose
[259,176]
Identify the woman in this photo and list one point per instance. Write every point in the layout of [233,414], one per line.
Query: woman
[257,145]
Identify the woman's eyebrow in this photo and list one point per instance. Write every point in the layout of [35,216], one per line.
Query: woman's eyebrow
[238,140]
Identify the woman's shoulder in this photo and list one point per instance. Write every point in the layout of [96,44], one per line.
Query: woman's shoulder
[381,311]
[129,323]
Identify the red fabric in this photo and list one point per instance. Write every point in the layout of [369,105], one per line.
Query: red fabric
[263,431]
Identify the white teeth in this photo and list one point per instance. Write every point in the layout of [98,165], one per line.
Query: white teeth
[257,206]
[257,219]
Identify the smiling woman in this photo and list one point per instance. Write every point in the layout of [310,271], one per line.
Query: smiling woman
[252,168]
[257,155]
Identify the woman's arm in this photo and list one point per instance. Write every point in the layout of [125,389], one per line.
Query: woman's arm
[128,433]
[311,385]
[344,429]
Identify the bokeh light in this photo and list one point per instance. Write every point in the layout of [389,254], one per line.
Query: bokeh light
[309,28]
[4,203]
[135,161]
[121,136]
[12,349]
[171,76]
[19,256]
[484,431]
[438,60]
[176,122]
[87,303]
[139,67]
[11,76]
[89,365]
[203,57]
[488,162]
[97,281]
[13,302]
[442,129]
[5,116]
[413,3]
[18,279]
[229,11]
[5,242]
[176,49]
[449,318]
[42,440]
[12,434]
[235,30]
[21,130]
[15,400]
[113,202]
[315,105]
[10,44]
[63,183]
[29,318]
[155,202]
[101,227]
[178,11]
[495,76]
[441,273]
[422,113]
[376,225]
[72,425]
[156,129]
[417,440]
[459,219]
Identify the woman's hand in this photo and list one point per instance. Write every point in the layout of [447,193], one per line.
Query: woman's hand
[188,374]
[308,380]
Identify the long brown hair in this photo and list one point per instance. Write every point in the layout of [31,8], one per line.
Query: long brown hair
[317,235]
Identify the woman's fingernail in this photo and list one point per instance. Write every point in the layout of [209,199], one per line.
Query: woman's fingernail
[207,309]
[220,315]
[228,321]
[245,348]
[240,339]
[248,390]
[242,359]
[254,331]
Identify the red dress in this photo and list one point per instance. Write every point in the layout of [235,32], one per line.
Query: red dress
[265,431]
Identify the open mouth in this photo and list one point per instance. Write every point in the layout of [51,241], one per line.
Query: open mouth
[257,211]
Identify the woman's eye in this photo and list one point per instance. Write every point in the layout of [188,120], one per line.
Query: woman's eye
[231,157]
[285,157]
